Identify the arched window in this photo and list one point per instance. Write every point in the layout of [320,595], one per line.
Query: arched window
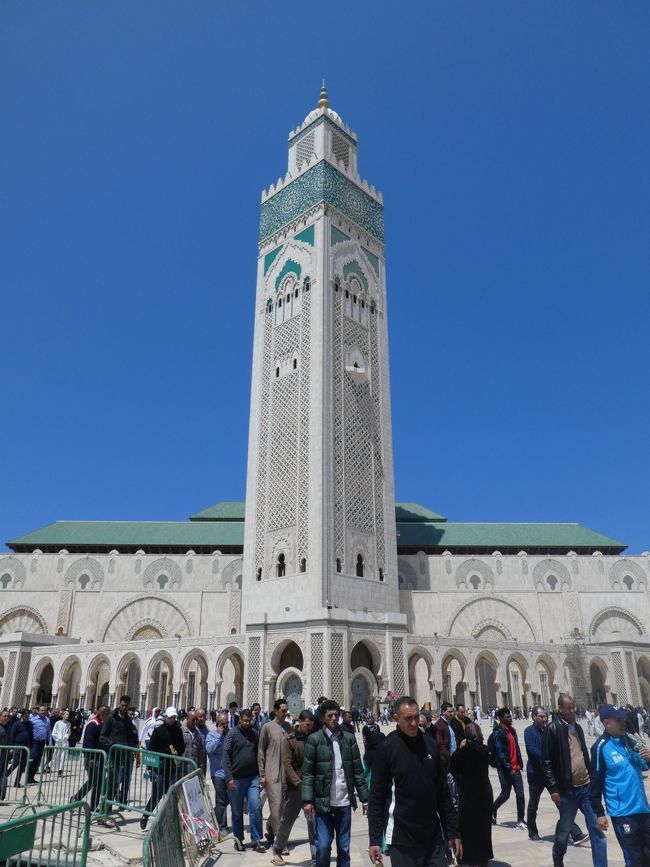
[359,566]
[269,306]
[295,364]
[336,285]
[552,582]
[84,581]
[475,581]
[259,574]
[628,580]
[277,372]
[307,284]
[5,581]
[280,566]
[163,580]
[303,564]
[381,574]
[338,564]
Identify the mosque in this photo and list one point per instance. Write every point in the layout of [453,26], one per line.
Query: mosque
[321,583]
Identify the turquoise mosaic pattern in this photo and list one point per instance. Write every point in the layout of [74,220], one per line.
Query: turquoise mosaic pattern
[312,126]
[353,267]
[322,183]
[306,236]
[338,236]
[270,258]
[289,267]
[374,260]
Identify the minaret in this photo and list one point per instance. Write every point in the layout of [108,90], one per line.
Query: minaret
[320,545]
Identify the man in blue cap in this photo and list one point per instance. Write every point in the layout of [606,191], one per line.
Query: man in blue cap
[617,761]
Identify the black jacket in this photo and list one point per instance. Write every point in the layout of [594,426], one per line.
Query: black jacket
[240,754]
[556,756]
[165,736]
[118,730]
[420,799]
[21,733]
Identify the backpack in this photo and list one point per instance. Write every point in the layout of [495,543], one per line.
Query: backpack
[492,750]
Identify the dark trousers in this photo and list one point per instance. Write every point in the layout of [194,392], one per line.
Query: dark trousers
[507,785]
[536,787]
[221,802]
[633,834]
[425,857]
[36,753]
[570,802]
[160,784]
[93,784]
[20,762]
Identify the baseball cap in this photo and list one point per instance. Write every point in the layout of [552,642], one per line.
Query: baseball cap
[612,711]
[171,711]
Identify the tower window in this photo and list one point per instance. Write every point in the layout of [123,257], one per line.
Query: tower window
[381,574]
[338,564]
[269,306]
[5,581]
[277,372]
[363,304]
[307,284]
[259,574]
[551,582]
[280,566]
[296,293]
[303,565]
[279,302]
[360,566]
[336,285]
[628,580]
[372,308]
[162,581]
[295,364]
[347,294]
[354,298]
[84,581]
[475,581]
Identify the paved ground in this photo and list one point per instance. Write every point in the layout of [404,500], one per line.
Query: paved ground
[122,844]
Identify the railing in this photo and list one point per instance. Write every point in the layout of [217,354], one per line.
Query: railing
[184,828]
[15,762]
[58,837]
[74,774]
[137,779]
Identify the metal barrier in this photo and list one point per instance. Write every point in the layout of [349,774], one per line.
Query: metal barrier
[184,828]
[15,764]
[137,779]
[58,837]
[75,774]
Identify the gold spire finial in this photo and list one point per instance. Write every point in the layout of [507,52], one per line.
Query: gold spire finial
[323,102]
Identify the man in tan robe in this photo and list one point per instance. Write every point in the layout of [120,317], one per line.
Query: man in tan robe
[269,761]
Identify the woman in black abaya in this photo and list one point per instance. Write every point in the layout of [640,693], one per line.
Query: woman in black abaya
[470,767]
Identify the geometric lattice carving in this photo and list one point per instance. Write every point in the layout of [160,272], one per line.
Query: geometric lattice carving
[615,624]
[378,458]
[631,676]
[232,574]
[283,468]
[317,665]
[161,569]
[337,668]
[63,617]
[263,444]
[337,445]
[340,149]
[85,566]
[20,689]
[359,499]
[303,459]
[494,610]
[621,568]
[399,685]
[619,678]
[156,611]
[254,659]
[234,612]
[14,568]
[469,567]
[8,678]
[304,149]
[22,618]
[551,567]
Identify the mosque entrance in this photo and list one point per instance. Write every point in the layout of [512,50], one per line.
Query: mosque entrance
[360,691]
[293,694]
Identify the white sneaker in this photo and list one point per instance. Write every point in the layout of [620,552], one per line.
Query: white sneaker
[521,826]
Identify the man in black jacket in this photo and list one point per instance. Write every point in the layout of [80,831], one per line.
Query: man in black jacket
[118,728]
[166,739]
[93,761]
[21,734]
[566,769]
[409,797]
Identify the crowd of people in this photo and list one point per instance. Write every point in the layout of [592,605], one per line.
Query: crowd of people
[425,786]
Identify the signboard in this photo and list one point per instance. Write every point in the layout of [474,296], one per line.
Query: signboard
[198,818]
[150,760]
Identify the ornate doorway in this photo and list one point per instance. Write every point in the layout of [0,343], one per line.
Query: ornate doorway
[360,691]
[293,694]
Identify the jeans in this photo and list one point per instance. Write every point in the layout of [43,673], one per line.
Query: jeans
[570,802]
[221,802]
[20,762]
[160,784]
[633,833]
[291,807]
[507,785]
[249,788]
[337,821]
[94,769]
[536,786]
[36,754]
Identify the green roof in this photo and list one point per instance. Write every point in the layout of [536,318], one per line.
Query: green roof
[414,513]
[226,511]
[501,537]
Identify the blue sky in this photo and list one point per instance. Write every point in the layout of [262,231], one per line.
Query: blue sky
[511,142]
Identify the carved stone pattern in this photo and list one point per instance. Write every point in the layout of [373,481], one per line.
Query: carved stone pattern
[20,690]
[63,617]
[304,149]
[85,566]
[338,668]
[234,611]
[303,460]
[469,567]
[551,567]
[146,609]
[376,382]
[341,149]
[22,618]
[573,606]
[322,183]
[162,566]
[263,443]
[359,477]
[283,445]
[624,567]
[8,678]
[399,684]
[631,676]
[232,574]
[338,461]
[619,679]
[317,665]
[15,568]
[254,659]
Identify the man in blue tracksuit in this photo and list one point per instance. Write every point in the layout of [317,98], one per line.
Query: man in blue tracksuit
[617,761]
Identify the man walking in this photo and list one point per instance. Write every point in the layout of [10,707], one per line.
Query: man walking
[269,761]
[93,763]
[233,716]
[214,744]
[616,774]
[168,740]
[409,775]
[535,773]
[240,766]
[260,718]
[331,772]
[509,766]
[42,736]
[21,734]
[118,728]
[194,746]
[445,735]
[293,753]
[458,722]
[566,769]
